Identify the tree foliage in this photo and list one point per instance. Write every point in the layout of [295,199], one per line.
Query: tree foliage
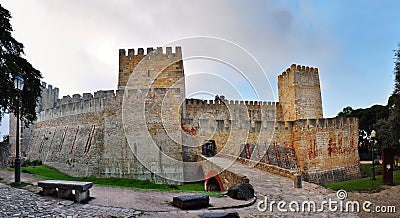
[394,100]
[394,105]
[12,65]
[367,117]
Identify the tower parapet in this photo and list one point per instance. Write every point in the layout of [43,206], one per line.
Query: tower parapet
[48,98]
[128,62]
[300,93]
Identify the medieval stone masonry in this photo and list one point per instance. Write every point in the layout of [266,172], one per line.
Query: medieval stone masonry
[104,133]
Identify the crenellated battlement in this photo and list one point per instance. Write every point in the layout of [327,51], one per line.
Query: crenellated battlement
[49,88]
[159,51]
[78,104]
[317,123]
[326,122]
[49,97]
[231,109]
[298,68]
[153,61]
[229,102]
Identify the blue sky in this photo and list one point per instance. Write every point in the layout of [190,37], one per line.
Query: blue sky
[75,43]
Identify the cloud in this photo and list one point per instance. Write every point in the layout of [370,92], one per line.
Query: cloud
[86,35]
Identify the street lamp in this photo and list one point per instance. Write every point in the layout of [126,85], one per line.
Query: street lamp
[19,85]
[373,135]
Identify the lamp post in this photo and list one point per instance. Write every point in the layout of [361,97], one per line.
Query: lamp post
[19,85]
[373,135]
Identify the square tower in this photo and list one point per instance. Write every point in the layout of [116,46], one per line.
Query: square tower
[299,93]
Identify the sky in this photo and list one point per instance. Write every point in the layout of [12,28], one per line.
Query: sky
[75,43]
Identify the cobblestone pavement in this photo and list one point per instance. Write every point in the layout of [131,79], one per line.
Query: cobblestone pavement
[276,188]
[388,197]
[116,202]
[22,203]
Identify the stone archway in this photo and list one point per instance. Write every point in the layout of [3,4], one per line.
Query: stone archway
[213,182]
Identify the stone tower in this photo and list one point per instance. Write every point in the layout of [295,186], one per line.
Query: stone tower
[47,100]
[154,87]
[299,94]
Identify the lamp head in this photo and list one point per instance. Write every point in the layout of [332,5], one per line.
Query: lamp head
[19,83]
[373,134]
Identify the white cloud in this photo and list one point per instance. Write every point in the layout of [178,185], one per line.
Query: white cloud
[75,43]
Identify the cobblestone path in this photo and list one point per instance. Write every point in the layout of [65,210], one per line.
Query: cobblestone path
[277,188]
[22,203]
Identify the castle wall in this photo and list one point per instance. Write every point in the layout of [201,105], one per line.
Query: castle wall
[324,150]
[4,154]
[147,128]
[12,134]
[70,137]
[324,146]
[230,123]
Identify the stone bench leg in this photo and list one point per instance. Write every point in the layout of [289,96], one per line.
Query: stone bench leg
[49,191]
[82,195]
[64,193]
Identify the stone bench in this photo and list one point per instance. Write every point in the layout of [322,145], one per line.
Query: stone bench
[63,189]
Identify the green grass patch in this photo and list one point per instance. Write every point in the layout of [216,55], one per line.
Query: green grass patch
[51,173]
[195,186]
[365,184]
[124,182]
[48,172]
[21,184]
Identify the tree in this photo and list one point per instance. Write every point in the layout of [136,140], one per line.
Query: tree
[13,65]
[6,138]
[370,118]
[345,112]
[394,106]
[394,100]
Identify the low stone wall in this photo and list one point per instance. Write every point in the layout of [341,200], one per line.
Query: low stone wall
[4,153]
[268,168]
[334,175]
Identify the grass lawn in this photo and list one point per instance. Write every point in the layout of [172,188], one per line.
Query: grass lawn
[365,184]
[367,169]
[47,172]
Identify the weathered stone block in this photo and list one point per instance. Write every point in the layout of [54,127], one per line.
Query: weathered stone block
[190,202]
[240,192]
[220,215]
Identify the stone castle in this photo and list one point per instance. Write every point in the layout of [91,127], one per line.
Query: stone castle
[109,133]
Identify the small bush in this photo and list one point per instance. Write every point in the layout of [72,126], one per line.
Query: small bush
[28,163]
[36,163]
